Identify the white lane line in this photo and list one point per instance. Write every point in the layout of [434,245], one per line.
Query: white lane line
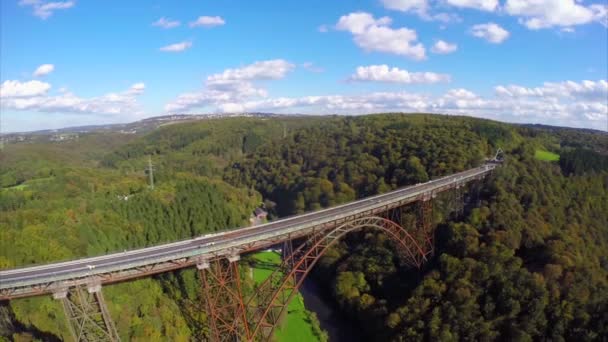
[185,245]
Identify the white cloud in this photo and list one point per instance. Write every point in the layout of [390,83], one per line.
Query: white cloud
[137,88]
[584,90]
[215,95]
[491,32]
[420,8]
[359,22]
[454,101]
[166,23]
[12,89]
[600,13]
[265,70]
[442,17]
[568,103]
[351,104]
[43,9]
[206,21]
[32,96]
[443,47]
[460,94]
[177,47]
[44,70]
[535,14]
[323,28]
[382,73]
[406,5]
[232,85]
[483,5]
[372,34]
[312,67]
[540,14]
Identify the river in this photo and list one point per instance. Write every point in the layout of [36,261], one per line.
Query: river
[339,327]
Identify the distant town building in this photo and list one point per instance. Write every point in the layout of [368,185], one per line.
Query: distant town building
[63,137]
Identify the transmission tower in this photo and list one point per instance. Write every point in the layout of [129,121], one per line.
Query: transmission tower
[151,172]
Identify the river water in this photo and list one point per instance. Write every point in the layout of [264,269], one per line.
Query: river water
[339,327]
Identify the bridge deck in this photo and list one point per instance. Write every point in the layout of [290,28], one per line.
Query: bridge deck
[109,268]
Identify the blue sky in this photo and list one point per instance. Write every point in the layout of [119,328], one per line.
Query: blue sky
[66,63]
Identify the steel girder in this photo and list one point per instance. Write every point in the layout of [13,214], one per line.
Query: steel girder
[224,300]
[269,302]
[425,232]
[88,316]
[230,316]
[134,267]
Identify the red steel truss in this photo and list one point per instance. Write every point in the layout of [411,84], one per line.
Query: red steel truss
[224,299]
[231,317]
[424,226]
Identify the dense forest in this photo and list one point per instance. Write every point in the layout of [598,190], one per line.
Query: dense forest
[528,260]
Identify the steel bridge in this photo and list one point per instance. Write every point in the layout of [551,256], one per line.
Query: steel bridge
[230,315]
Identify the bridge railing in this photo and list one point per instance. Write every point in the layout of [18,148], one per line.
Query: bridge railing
[199,247]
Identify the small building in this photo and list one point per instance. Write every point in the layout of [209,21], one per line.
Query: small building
[260,213]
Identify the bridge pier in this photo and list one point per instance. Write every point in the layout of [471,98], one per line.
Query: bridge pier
[424,225]
[226,314]
[86,312]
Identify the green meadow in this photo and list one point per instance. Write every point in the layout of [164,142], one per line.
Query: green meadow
[298,325]
[546,155]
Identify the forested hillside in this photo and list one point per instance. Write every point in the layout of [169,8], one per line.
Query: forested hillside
[529,259]
[64,208]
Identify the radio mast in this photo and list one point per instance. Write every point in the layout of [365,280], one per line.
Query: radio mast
[150,172]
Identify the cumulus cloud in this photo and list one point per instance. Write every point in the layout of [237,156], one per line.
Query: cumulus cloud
[177,47]
[206,21]
[382,73]
[232,85]
[454,101]
[483,5]
[137,89]
[421,8]
[44,70]
[32,96]
[406,5]
[460,94]
[584,90]
[539,14]
[600,13]
[351,104]
[166,23]
[216,95]
[265,70]
[443,47]
[534,14]
[491,32]
[373,34]
[12,89]
[568,103]
[44,9]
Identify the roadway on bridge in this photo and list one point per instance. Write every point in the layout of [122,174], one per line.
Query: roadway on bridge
[95,265]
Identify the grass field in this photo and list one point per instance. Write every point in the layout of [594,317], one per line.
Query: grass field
[296,327]
[30,182]
[17,187]
[546,155]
